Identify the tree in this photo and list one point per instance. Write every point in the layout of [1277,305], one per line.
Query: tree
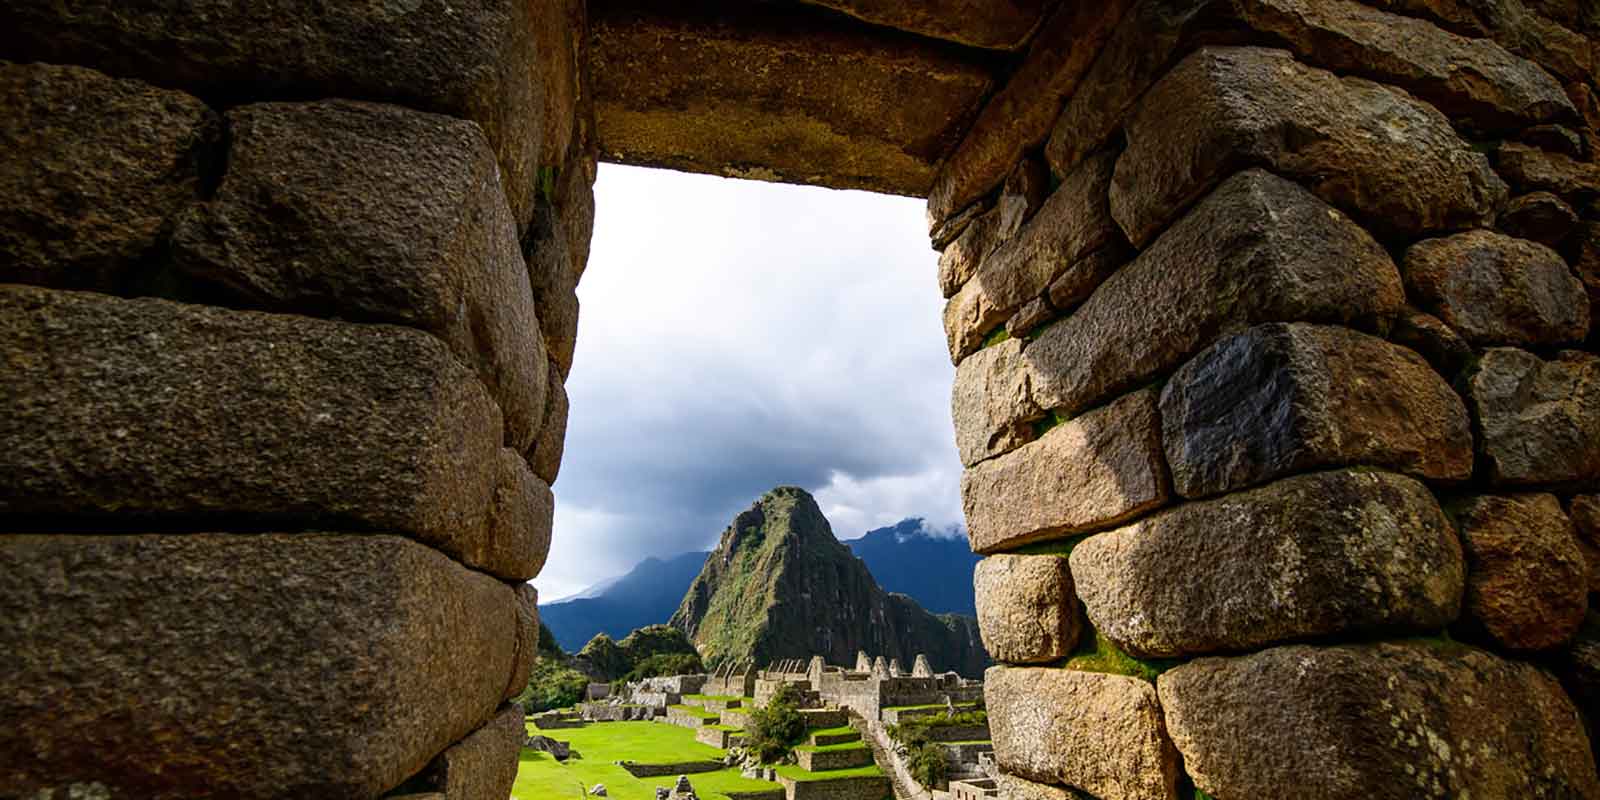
[775,729]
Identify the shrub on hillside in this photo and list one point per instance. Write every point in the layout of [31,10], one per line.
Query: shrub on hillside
[775,729]
[914,732]
[653,640]
[551,685]
[927,765]
[604,657]
[663,664]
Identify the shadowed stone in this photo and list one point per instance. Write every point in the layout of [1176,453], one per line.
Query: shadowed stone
[1527,586]
[1285,398]
[475,59]
[1588,269]
[1003,25]
[1258,249]
[960,259]
[1579,668]
[376,213]
[482,766]
[527,638]
[92,172]
[345,662]
[1584,511]
[546,454]
[1379,721]
[1225,108]
[553,275]
[774,93]
[1462,77]
[1328,553]
[1015,788]
[1099,733]
[179,415]
[1539,216]
[1538,420]
[1530,169]
[1433,340]
[1090,472]
[1026,608]
[990,403]
[1497,290]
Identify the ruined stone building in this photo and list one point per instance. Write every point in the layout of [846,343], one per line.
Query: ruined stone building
[1277,383]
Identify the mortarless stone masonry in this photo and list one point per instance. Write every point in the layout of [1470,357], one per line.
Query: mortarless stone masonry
[1241,293]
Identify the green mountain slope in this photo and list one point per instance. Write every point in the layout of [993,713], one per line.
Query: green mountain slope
[779,585]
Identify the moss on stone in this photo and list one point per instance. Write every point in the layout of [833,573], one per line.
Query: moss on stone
[1096,653]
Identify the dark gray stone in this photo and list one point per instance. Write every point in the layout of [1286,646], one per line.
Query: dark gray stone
[1538,420]
[1497,290]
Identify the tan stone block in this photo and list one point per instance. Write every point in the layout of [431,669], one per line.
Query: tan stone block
[991,404]
[1027,611]
[1527,585]
[1003,25]
[1497,290]
[1091,472]
[547,451]
[482,766]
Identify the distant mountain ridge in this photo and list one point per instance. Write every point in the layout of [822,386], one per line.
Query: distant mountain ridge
[906,558]
[780,585]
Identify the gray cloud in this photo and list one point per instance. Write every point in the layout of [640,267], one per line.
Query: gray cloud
[735,336]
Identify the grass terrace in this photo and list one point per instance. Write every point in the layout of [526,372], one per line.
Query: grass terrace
[541,777]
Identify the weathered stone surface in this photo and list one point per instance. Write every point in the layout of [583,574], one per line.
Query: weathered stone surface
[1497,290]
[1258,249]
[1555,138]
[527,639]
[960,259]
[1433,340]
[1539,216]
[978,23]
[1027,611]
[1015,788]
[1285,398]
[376,213]
[1588,268]
[1224,108]
[1527,585]
[1019,116]
[1022,195]
[1579,668]
[1080,280]
[475,59]
[778,94]
[1031,315]
[1380,721]
[990,403]
[1355,553]
[1538,420]
[484,765]
[524,508]
[344,662]
[1090,472]
[1584,511]
[969,317]
[92,172]
[553,274]
[1513,25]
[1530,169]
[1100,733]
[181,415]
[1463,77]
[546,454]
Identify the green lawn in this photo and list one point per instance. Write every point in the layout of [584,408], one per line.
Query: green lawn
[722,697]
[541,777]
[828,748]
[794,771]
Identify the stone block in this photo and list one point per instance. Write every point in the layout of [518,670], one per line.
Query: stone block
[92,172]
[1003,25]
[1380,721]
[527,638]
[1018,117]
[1258,249]
[1435,341]
[1497,290]
[1285,398]
[381,214]
[1471,78]
[1530,169]
[970,316]
[181,416]
[484,765]
[547,451]
[1540,217]
[240,665]
[1588,269]
[475,59]
[1100,733]
[960,258]
[990,403]
[1527,581]
[1091,472]
[1027,611]
[1031,315]
[1352,553]
[1015,788]
[1584,511]
[1537,420]
[553,275]
[1225,108]
[778,93]
[1579,667]
[522,514]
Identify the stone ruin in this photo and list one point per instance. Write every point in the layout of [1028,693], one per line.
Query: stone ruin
[1243,296]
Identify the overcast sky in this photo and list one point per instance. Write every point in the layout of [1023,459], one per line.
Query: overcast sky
[735,336]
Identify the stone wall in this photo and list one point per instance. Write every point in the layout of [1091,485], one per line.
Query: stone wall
[1278,394]
[287,292]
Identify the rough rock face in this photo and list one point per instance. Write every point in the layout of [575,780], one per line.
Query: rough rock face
[1498,290]
[545,457]
[1527,581]
[1279,399]
[1327,553]
[1579,667]
[1026,608]
[762,95]
[779,585]
[1091,472]
[380,214]
[1015,788]
[1001,25]
[1382,721]
[1539,216]
[1225,108]
[1539,419]
[1258,249]
[177,415]
[1100,733]
[475,59]
[482,766]
[1531,169]
[1584,511]
[1435,341]
[164,653]
[990,403]
[92,172]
